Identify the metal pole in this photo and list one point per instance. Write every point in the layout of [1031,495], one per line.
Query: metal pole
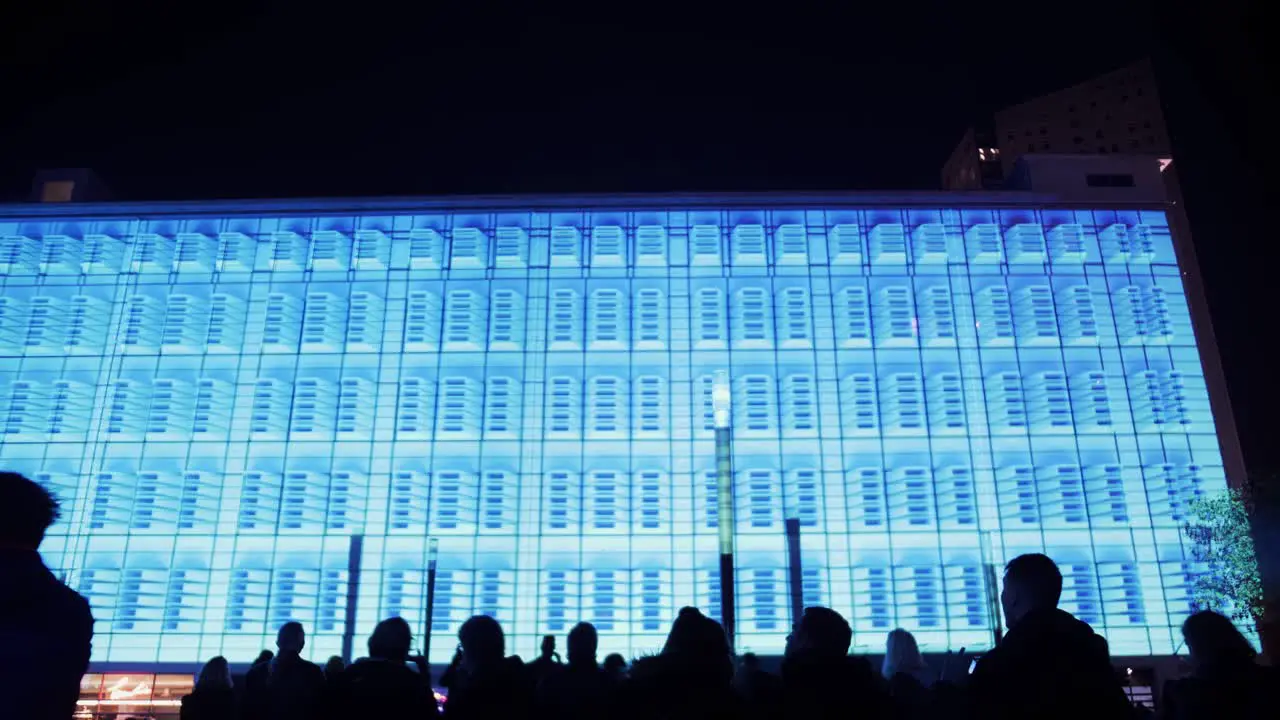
[794,569]
[432,553]
[725,520]
[353,594]
[991,586]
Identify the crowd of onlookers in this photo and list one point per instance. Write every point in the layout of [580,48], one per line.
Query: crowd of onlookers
[1049,664]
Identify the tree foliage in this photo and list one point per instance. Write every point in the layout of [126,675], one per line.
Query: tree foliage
[1219,530]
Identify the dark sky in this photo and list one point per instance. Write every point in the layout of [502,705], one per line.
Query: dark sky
[236,99]
[288,99]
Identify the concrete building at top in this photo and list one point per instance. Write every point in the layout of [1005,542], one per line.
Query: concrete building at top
[1114,113]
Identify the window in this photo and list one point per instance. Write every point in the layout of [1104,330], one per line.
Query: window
[1077,140]
[565,244]
[57,191]
[799,406]
[1109,180]
[511,247]
[426,249]
[1115,147]
[649,403]
[1044,130]
[1098,134]
[607,413]
[650,313]
[502,407]
[853,319]
[506,320]
[1031,147]
[752,318]
[562,417]
[607,322]
[1146,124]
[469,248]
[465,320]
[710,320]
[564,320]
[458,407]
[793,318]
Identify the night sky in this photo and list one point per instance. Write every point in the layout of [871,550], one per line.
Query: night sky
[275,99]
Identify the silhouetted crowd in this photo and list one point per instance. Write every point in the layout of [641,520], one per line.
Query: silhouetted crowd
[1049,664]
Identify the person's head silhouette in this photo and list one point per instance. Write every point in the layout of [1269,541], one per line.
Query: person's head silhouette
[1031,582]
[26,512]
[548,646]
[1215,643]
[483,643]
[820,632]
[583,642]
[215,675]
[901,654]
[291,638]
[615,665]
[391,640]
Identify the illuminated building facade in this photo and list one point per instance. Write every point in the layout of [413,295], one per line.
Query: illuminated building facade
[258,412]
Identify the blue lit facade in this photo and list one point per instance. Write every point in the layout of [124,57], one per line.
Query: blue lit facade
[224,394]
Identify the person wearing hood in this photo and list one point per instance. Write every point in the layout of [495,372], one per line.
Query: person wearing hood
[383,685]
[819,677]
[46,628]
[690,678]
[1048,661]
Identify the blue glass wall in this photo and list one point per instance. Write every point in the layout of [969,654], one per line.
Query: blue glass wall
[223,402]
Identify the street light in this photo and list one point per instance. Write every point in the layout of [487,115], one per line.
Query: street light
[721,403]
[433,553]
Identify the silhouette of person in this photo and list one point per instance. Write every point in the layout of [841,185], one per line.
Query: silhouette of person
[761,690]
[615,667]
[383,685]
[46,628]
[579,689]
[907,675]
[1048,659]
[690,678]
[333,667]
[820,679]
[1225,681]
[548,660]
[287,687]
[483,682]
[213,697]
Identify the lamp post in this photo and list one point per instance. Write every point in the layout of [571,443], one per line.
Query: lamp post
[721,404]
[433,553]
[991,585]
[355,550]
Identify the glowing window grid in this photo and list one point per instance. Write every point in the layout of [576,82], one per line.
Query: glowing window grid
[223,402]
